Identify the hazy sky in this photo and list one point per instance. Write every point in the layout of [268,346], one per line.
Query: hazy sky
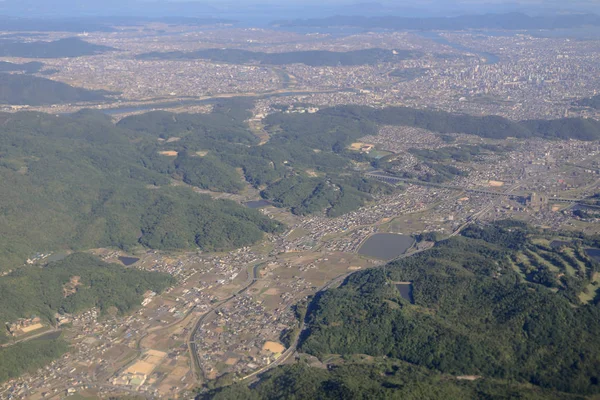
[296,8]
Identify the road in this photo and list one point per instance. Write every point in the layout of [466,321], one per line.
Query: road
[193,350]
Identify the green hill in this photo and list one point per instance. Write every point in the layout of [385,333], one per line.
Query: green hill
[81,182]
[31,90]
[493,304]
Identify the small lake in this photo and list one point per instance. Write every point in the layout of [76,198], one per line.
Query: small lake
[406,291]
[127,261]
[593,253]
[257,204]
[555,244]
[386,246]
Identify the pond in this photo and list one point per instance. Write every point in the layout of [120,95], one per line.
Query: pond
[386,246]
[127,261]
[593,253]
[406,291]
[257,204]
[555,244]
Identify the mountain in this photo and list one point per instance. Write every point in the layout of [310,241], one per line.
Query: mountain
[69,47]
[494,313]
[508,21]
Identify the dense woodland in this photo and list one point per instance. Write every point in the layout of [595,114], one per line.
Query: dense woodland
[498,302]
[29,356]
[593,102]
[77,283]
[481,308]
[39,291]
[374,379]
[81,182]
[31,90]
[314,58]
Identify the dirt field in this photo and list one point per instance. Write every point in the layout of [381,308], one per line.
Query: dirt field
[360,145]
[169,153]
[274,347]
[148,363]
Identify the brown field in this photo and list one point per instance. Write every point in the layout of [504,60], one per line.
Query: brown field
[150,360]
[495,183]
[32,328]
[272,291]
[169,153]
[358,146]
[274,347]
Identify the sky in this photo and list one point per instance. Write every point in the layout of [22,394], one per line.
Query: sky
[287,8]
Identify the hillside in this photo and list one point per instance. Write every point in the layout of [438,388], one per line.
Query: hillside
[593,102]
[492,126]
[315,58]
[28,68]
[496,303]
[34,291]
[30,90]
[81,182]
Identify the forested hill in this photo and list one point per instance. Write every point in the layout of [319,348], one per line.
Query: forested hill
[316,58]
[69,47]
[81,182]
[28,68]
[492,126]
[77,283]
[508,21]
[593,102]
[31,90]
[498,304]
[34,291]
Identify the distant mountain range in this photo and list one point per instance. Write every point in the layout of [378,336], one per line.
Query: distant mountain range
[70,47]
[93,24]
[508,21]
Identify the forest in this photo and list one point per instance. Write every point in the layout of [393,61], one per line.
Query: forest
[495,302]
[519,328]
[25,357]
[314,58]
[79,182]
[500,304]
[33,291]
[593,102]
[492,126]
[31,90]
[360,377]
